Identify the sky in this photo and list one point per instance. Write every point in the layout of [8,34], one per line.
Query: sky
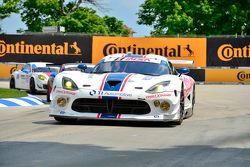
[121,9]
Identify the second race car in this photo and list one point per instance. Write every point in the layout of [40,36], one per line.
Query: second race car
[33,77]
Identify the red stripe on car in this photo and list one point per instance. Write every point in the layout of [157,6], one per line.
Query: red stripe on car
[102,85]
[124,83]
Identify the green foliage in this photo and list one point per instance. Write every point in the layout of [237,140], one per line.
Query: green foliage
[83,20]
[39,13]
[115,26]
[12,93]
[204,17]
[7,7]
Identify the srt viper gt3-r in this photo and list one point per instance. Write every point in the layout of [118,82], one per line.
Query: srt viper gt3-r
[125,87]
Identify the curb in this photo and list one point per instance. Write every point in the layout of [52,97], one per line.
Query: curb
[22,101]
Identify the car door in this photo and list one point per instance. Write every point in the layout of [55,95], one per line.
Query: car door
[24,76]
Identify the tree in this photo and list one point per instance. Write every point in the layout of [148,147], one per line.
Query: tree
[70,14]
[204,17]
[83,20]
[115,26]
[7,7]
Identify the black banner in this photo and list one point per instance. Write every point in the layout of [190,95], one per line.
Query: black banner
[197,74]
[231,52]
[57,49]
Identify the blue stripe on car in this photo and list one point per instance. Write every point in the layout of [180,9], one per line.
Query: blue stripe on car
[113,77]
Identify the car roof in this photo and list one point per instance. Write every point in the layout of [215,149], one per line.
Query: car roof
[68,65]
[152,58]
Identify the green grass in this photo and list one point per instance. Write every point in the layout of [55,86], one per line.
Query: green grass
[11,93]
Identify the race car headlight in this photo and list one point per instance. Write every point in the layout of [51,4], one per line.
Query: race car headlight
[69,84]
[159,88]
[41,77]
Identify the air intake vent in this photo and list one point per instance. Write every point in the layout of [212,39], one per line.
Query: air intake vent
[113,83]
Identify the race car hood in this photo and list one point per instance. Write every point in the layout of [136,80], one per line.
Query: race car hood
[122,82]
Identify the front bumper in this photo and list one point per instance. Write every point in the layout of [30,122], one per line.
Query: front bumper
[83,110]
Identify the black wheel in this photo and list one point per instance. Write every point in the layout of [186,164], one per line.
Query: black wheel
[193,102]
[12,83]
[191,110]
[32,86]
[65,120]
[182,103]
[48,96]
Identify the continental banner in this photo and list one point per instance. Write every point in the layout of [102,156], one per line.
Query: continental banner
[227,75]
[232,52]
[172,48]
[45,47]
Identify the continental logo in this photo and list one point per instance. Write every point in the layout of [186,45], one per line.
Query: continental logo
[242,76]
[31,49]
[227,52]
[178,51]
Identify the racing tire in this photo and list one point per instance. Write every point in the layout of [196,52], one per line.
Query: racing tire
[65,120]
[12,83]
[48,97]
[32,86]
[182,104]
[191,110]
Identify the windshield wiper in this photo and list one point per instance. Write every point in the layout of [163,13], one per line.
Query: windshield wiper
[151,74]
[101,72]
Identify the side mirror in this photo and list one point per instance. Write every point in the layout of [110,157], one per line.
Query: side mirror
[53,74]
[25,70]
[183,70]
[82,66]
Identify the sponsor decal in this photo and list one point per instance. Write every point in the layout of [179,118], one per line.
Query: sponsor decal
[24,48]
[158,95]
[92,93]
[136,59]
[109,93]
[62,112]
[227,52]
[242,76]
[66,92]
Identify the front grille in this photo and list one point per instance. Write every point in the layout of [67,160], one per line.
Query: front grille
[111,106]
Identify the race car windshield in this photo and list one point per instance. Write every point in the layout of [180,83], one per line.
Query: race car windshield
[44,69]
[132,67]
[72,69]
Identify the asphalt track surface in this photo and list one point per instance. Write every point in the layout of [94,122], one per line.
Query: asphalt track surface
[218,134]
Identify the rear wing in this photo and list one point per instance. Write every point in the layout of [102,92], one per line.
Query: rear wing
[181,63]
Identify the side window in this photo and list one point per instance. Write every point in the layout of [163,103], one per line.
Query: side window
[26,68]
[172,69]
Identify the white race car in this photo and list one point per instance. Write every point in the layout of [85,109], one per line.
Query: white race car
[125,87]
[33,77]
